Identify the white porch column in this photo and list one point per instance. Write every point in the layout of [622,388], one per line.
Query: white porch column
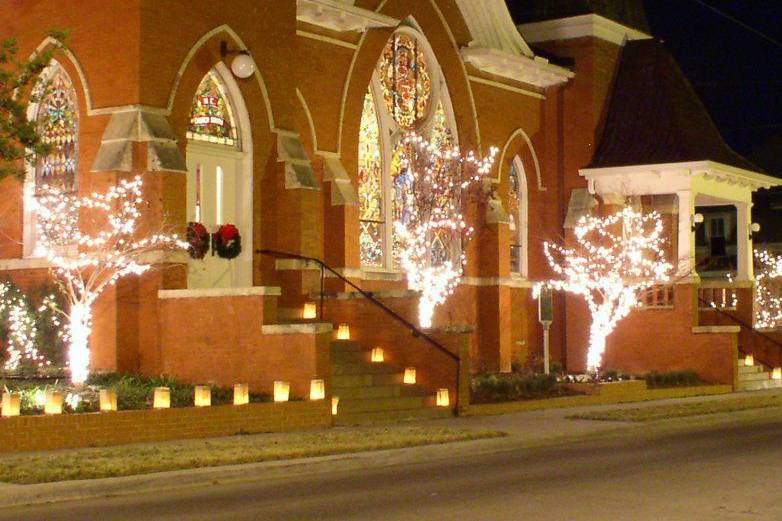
[686,250]
[744,268]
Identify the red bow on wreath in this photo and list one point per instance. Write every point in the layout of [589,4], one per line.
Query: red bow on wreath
[227,242]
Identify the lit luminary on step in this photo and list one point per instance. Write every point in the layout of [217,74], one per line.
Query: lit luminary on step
[241,394]
[161,398]
[776,374]
[409,377]
[203,396]
[442,398]
[310,311]
[54,401]
[343,333]
[334,405]
[317,390]
[377,355]
[108,400]
[749,360]
[282,391]
[12,404]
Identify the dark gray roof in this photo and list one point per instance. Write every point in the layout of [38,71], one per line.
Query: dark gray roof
[655,116]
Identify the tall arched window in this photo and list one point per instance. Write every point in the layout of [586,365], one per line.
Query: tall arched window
[407,93]
[517,211]
[54,108]
[56,112]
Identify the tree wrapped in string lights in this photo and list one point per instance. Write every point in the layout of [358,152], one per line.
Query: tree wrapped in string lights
[433,188]
[18,320]
[768,290]
[616,259]
[92,242]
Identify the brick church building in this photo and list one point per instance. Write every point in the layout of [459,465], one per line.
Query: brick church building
[282,117]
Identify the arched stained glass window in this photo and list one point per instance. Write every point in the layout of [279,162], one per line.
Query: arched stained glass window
[211,119]
[517,211]
[405,79]
[411,96]
[370,191]
[57,116]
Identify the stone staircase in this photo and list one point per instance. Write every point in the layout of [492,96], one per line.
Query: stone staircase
[755,377]
[371,392]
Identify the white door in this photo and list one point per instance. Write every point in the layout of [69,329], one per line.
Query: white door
[214,198]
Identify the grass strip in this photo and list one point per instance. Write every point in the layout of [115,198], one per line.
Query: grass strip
[680,410]
[91,463]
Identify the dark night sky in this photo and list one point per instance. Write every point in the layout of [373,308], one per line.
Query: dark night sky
[737,73]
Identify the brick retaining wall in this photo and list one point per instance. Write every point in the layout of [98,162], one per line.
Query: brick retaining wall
[68,431]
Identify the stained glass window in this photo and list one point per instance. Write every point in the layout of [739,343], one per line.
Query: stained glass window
[409,103]
[405,79]
[58,124]
[370,185]
[211,118]
[441,132]
[514,211]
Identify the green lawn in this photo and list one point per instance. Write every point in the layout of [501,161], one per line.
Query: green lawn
[680,410]
[145,458]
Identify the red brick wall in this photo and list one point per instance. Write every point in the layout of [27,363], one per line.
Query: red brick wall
[219,340]
[70,431]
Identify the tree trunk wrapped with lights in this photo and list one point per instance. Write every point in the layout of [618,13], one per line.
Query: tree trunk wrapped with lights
[88,262]
[614,261]
[433,188]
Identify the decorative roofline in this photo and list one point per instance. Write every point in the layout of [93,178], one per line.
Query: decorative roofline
[535,71]
[579,26]
[339,16]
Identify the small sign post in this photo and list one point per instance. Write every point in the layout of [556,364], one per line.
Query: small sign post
[545,316]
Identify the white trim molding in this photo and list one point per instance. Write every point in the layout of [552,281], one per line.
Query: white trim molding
[580,26]
[535,71]
[271,291]
[312,328]
[33,263]
[340,16]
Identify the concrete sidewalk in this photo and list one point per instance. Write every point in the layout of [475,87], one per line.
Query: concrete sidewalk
[525,430]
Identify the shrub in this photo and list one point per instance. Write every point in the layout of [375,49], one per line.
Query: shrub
[134,391]
[489,388]
[684,378]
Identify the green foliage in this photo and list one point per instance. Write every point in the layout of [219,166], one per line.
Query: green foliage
[20,142]
[491,388]
[687,378]
[44,305]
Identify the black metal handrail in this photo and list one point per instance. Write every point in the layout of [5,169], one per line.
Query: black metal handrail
[369,296]
[741,323]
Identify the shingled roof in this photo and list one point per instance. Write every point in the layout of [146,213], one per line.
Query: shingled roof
[655,116]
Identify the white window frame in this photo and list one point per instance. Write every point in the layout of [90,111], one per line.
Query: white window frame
[522,218]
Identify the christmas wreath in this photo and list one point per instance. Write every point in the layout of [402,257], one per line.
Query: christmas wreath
[227,242]
[198,239]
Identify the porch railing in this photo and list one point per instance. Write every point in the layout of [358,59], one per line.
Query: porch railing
[659,296]
[717,297]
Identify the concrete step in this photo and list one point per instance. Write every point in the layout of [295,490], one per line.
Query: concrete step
[397,403]
[757,385]
[365,418]
[346,345]
[751,377]
[377,391]
[366,369]
[364,380]
[340,356]
[749,369]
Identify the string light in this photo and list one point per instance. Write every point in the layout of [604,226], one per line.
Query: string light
[768,297]
[434,187]
[617,258]
[88,261]
[22,330]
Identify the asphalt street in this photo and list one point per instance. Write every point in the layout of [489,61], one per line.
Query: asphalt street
[723,472]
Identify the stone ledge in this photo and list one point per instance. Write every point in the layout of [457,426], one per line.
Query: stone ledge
[715,329]
[312,328]
[220,292]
